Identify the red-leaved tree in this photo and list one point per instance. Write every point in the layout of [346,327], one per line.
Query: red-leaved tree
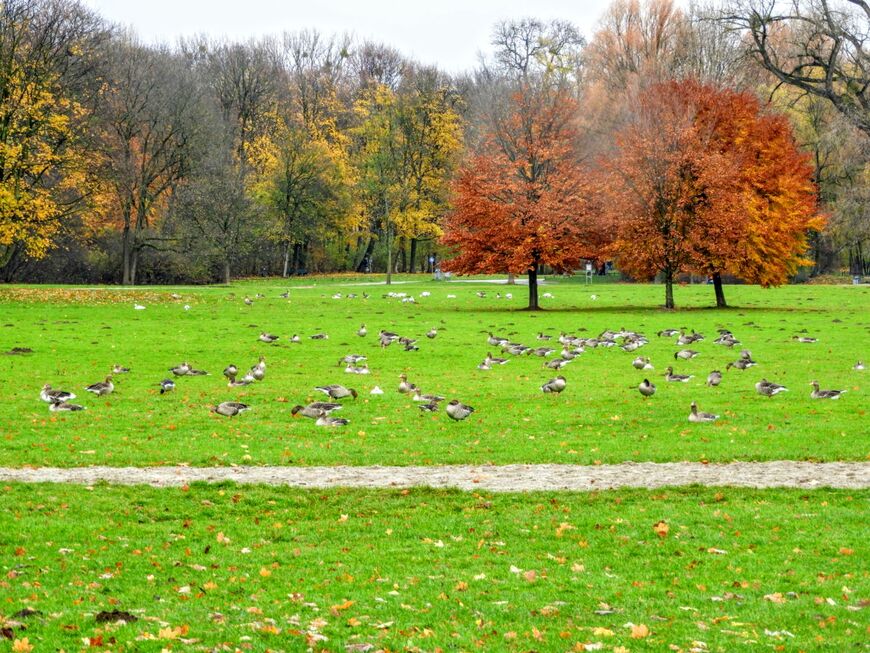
[520,200]
[703,180]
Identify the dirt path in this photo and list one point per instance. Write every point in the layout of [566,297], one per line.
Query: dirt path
[504,478]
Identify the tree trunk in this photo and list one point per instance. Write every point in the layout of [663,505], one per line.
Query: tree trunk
[533,288]
[298,257]
[134,263]
[125,256]
[412,263]
[361,266]
[512,280]
[669,289]
[720,292]
[286,259]
[227,272]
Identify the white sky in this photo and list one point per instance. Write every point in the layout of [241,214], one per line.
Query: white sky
[448,33]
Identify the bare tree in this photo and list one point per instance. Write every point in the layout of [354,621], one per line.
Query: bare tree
[821,47]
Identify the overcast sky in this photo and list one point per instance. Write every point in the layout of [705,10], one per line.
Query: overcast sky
[448,33]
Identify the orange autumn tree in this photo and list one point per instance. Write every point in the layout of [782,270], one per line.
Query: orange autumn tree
[702,180]
[663,182]
[765,241]
[520,198]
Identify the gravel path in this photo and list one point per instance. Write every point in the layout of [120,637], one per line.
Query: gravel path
[502,478]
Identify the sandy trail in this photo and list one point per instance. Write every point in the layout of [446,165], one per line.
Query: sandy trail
[501,478]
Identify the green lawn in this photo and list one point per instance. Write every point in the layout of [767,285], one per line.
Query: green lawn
[274,569]
[77,335]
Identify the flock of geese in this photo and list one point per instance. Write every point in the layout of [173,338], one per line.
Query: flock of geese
[571,347]
[630,341]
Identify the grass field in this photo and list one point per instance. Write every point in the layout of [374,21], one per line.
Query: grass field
[78,334]
[696,569]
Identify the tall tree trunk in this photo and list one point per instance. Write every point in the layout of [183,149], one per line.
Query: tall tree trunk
[298,257]
[286,258]
[512,280]
[720,292]
[533,288]
[361,265]
[134,264]
[669,288]
[227,272]
[412,264]
[125,256]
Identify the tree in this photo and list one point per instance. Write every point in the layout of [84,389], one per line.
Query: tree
[817,46]
[47,62]
[301,185]
[709,183]
[661,181]
[148,117]
[520,199]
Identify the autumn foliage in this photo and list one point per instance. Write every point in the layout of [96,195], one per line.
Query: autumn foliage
[521,198]
[703,180]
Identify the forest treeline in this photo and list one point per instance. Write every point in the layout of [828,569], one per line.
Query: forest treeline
[204,160]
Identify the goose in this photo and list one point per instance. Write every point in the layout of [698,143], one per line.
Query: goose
[481,293]
[167,385]
[388,334]
[768,389]
[714,378]
[741,364]
[351,359]
[230,371]
[229,408]
[376,391]
[249,301]
[120,369]
[315,409]
[261,364]
[668,333]
[431,407]
[557,363]
[431,333]
[325,420]
[492,360]
[58,406]
[858,366]
[542,336]
[685,354]
[646,388]
[102,388]
[285,294]
[362,331]
[267,337]
[631,346]
[681,378]
[425,293]
[556,385]
[259,295]
[429,399]
[232,383]
[55,396]
[410,346]
[337,391]
[181,370]
[641,363]
[193,372]
[824,394]
[699,417]
[295,339]
[175,295]
[485,366]
[495,341]
[458,411]
[319,336]
[357,369]
[404,386]
[542,351]
[806,339]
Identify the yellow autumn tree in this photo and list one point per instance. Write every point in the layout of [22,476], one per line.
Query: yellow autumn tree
[43,58]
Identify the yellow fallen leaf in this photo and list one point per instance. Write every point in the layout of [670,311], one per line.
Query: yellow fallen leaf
[661,528]
[639,631]
[22,645]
